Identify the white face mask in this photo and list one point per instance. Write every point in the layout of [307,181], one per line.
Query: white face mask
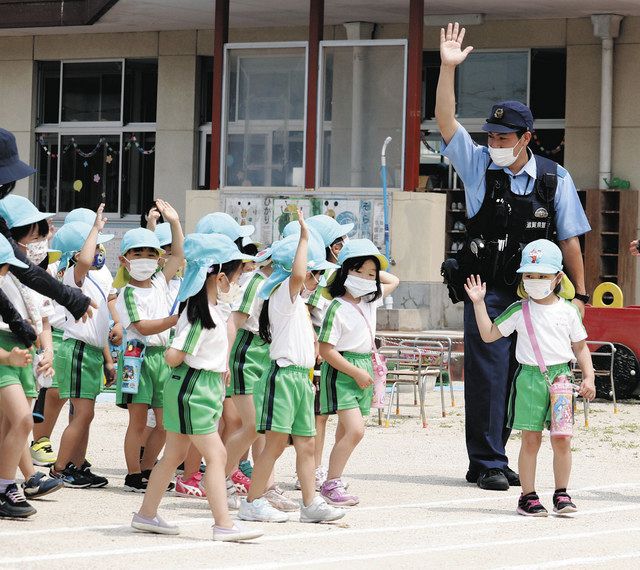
[359,287]
[37,250]
[504,157]
[538,288]
[231,295]
[142,269]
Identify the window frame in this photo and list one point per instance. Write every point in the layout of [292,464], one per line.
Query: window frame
[321,123]
[225,111]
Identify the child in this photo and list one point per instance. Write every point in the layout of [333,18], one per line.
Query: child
[346,341]
[16,379]
[144,313]
[193,394]
[284,397]
[83,353]
[558,328]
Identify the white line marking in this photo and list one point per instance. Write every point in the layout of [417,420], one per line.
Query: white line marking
[333,533]
[426,505]
[577,561]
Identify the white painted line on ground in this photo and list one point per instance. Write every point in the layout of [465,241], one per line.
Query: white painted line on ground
[426,505]
[581,561]
[511,519]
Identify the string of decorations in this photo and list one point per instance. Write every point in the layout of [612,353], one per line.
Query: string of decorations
[549,152]
[132,142]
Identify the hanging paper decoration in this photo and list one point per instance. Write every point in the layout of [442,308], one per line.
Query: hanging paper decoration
[96,178]
[77,185]
[109,159]
[132,142]
[85,164]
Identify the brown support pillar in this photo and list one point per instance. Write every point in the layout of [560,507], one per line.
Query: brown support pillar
[221,37]
[414,95]
[316,27]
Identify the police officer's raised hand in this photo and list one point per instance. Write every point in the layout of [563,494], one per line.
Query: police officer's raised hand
[633,248]
[475,288]
[451,52]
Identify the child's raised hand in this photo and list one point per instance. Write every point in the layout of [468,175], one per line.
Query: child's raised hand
[168,211]
[475,288]
[100,219]
[20,357]
[304,230]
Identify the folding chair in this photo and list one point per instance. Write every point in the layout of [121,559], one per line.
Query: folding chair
[434,355]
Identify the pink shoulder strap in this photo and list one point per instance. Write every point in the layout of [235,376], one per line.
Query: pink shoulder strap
[526,313]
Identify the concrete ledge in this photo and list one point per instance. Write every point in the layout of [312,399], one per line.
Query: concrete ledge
[408,320]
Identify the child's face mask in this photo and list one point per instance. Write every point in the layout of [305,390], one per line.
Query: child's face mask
[99,259]
[539,288]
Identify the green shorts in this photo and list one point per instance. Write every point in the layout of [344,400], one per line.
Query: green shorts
[80,369]
[192,401]
[284,401]
[56,335]
[153,375]
[529,400]
[339,391]
[10,375]
[248,361]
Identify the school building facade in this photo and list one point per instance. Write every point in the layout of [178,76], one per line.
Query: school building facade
[255,106]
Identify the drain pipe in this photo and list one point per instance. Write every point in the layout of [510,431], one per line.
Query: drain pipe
[607,28]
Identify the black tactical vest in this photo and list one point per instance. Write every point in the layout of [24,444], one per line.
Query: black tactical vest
[506,222]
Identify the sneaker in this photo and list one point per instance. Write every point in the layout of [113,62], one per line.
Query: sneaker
[320,511]
[334,493]
[233,500]
[40,485]
[97,481]
[146,475]
[71,476]
[135,483]
[493,480]
[190,487]
[246,467]
[278,500]
[42,453]
[156,524]
[13,504]
[241,481]
[529,505]
[562,503]
[321,477]
[235,533]
[260,510]
[512,477]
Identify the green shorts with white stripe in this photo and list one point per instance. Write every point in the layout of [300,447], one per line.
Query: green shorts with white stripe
[10,375]
[79,368]
[248,360]
[192,401]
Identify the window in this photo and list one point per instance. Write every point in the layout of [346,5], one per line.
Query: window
[96,135]
[264,126]
[362,103]
[205,105]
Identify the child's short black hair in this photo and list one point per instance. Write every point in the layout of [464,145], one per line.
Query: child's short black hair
[6,189]
[198,304]
[337,288]
[145,213]
[18,233]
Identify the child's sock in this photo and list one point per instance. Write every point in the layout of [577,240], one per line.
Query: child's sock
[4,483]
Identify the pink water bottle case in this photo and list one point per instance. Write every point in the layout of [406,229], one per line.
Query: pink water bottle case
[561,396]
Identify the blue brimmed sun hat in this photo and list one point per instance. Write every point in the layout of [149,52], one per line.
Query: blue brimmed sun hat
[133,239]
[7,255]
[361,248]
[201,251]
[81,215]
[163,233]
[223,223]
[70,238]
[11,167]
[541,256]
[328,228]
[18,211]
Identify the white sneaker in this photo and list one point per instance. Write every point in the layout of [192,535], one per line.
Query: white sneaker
[320,511]
[156,525]
[235,534]
[233,501]
[260,510]
[280,501]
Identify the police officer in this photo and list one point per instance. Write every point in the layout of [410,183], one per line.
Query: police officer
[512,197]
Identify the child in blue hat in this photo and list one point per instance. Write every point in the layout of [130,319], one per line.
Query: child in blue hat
[558,338]
[284,396]
[347,339]
[193,394]
[144,313]
[82,355]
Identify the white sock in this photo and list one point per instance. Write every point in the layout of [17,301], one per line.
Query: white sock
[4,483]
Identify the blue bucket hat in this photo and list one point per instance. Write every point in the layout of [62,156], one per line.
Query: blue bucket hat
[18,211]
[283,253]
[201,251]
[327,228]
[139,237]
[222,223]
[541,256]
[509,117]
[362,248]
[81,215]
[163,233]
[11,167]
[70,238]
[7,255]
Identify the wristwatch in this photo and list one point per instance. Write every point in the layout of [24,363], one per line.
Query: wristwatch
[584,298]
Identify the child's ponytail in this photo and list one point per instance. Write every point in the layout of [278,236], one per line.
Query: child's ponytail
[264,326]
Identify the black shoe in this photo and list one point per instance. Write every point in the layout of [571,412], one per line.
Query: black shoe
[71,476]
[135,483]
[13,504]
[493,480]
[146,475]
[530,506]
[472,476]
[512,477]
[97,481]
[40,485]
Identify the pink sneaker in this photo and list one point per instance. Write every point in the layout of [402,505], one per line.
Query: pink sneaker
[333,492]
[191,487]
[241,481]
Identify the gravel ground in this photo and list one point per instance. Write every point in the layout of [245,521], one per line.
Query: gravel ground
[416,510]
